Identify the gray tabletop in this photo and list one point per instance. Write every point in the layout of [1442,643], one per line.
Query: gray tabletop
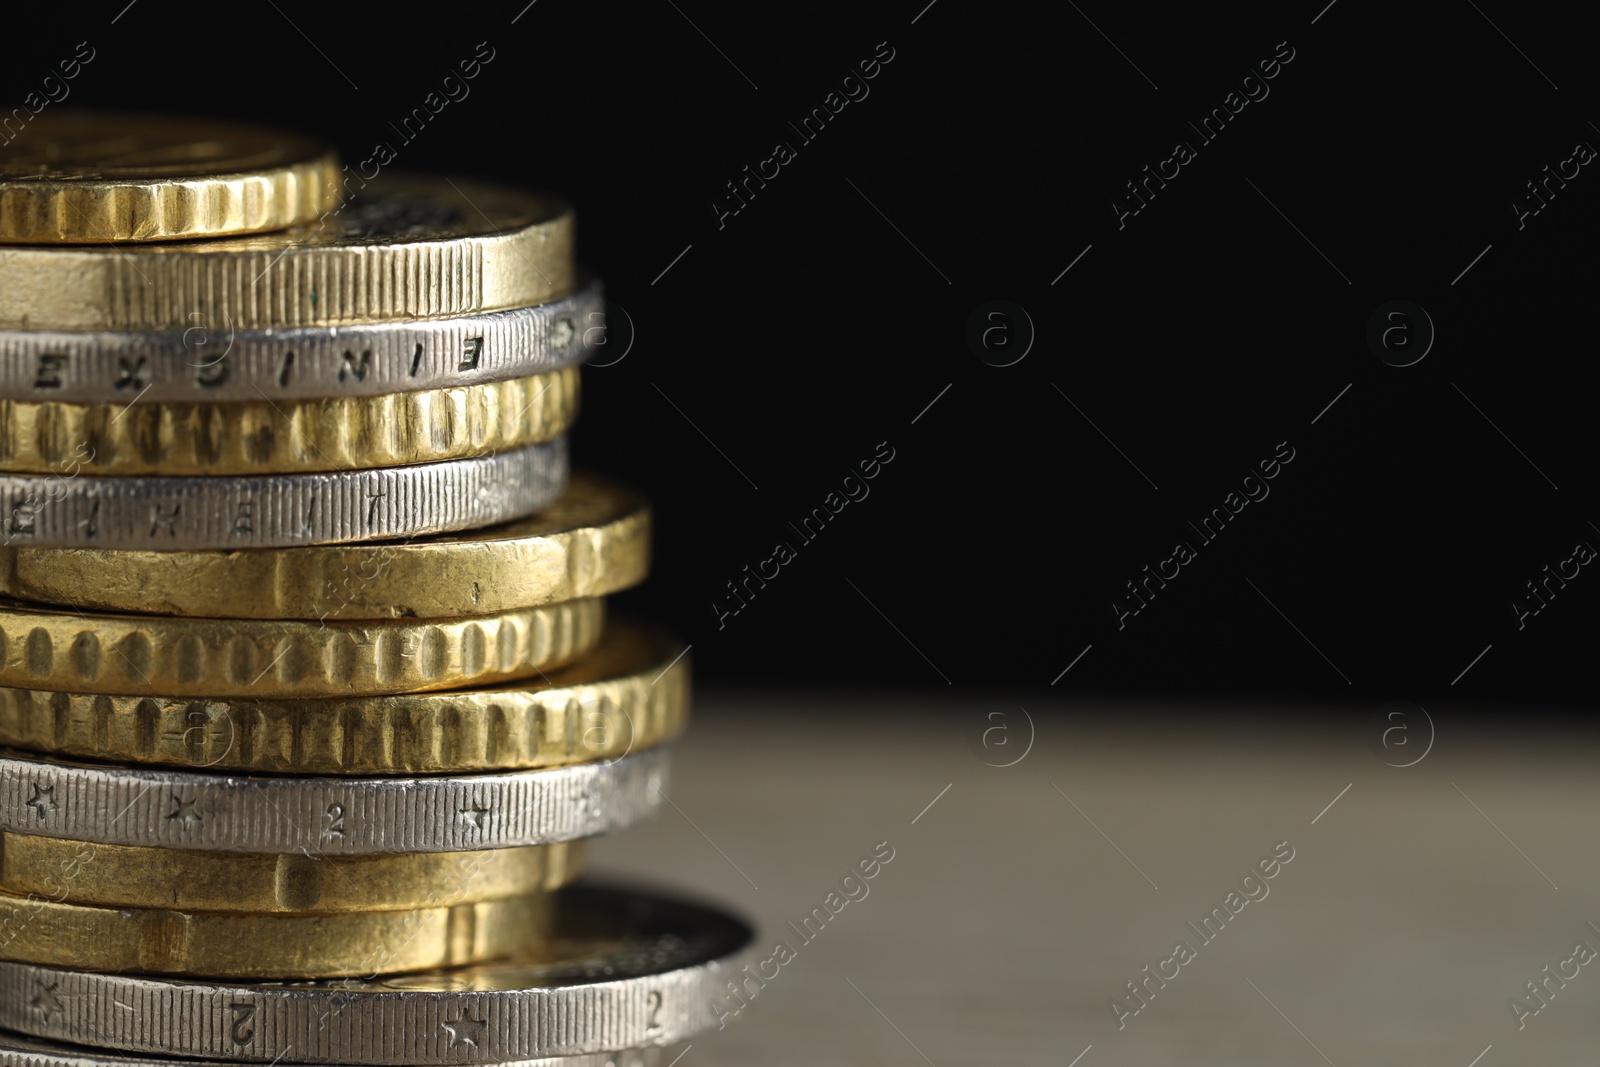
[1419,900]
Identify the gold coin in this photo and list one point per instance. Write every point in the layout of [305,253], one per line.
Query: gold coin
[286,437]
[123,876]
[629,694]
[158,656]
[88,177]
[49,933]
[595,540]
[398,249]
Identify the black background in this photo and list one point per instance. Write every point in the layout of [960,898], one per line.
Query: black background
[824,317]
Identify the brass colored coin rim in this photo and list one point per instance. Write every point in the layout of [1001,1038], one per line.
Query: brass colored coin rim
[220,945]
[603,548]
[153,655]
[243,437]
[288,180]
[124,211]
[149,877]
[628,694]
[516,251]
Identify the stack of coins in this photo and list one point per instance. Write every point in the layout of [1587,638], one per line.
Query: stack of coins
[307,696]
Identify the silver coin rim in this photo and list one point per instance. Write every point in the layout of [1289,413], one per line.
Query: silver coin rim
[21,1050]
[516,343]
[168,808]
[205,512]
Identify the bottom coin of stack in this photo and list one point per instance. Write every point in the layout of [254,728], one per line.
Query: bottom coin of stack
[17,1050]
[617,971]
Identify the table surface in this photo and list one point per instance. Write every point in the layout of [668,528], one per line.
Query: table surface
[1021,900]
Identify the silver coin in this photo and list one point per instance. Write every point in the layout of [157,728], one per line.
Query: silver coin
[623,970]
[278,510]
[210,361]
[117,805]
[19,1051]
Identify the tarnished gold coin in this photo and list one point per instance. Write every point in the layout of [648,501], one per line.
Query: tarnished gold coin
[179,657]
[397,249]
[229,945]
[595,540]
[629,694]
[72,176]
[288,436]
[123,876]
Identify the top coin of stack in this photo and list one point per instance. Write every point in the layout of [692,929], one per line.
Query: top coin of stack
[76,177]
[304,671]
[415,346]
